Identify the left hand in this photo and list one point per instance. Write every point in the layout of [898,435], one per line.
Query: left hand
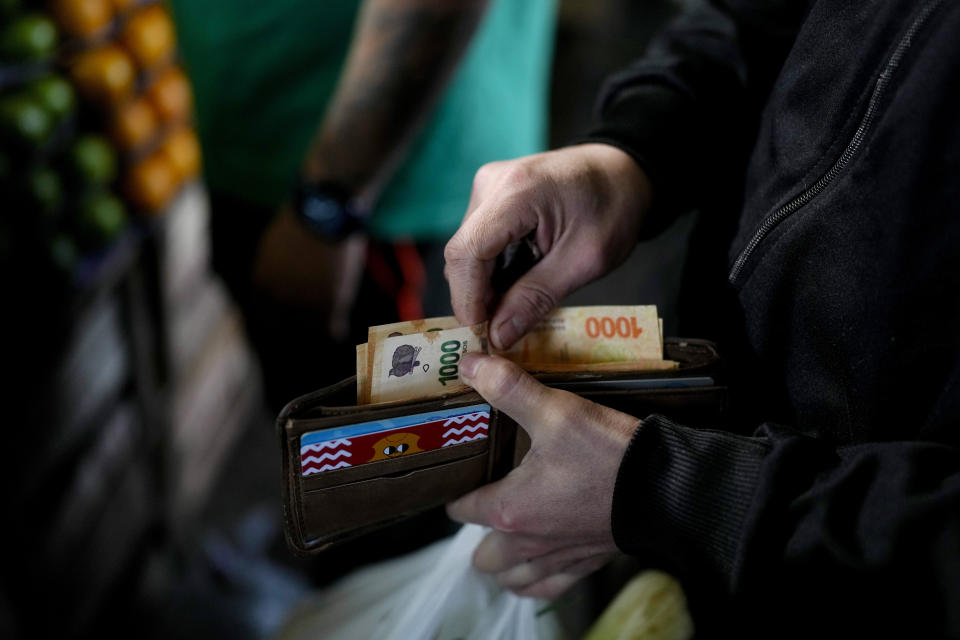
[551,515]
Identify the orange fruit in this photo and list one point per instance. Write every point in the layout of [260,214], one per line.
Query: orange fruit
[182,149]
[133,124]
[152,183]
[171,96]
[149,35]
[105,75]
[82,18]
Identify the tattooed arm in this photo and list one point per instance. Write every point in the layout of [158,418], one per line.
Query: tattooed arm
[402,55]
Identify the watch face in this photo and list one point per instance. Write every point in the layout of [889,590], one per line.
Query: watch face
[325,214]
[326,210]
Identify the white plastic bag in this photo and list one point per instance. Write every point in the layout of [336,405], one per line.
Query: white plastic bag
[432,593]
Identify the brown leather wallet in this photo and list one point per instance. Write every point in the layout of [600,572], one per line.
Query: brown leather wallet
[350,469]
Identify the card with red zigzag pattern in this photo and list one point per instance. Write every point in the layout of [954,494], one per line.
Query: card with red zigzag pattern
[356,444]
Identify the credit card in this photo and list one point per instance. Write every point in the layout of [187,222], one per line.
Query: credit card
[356,444]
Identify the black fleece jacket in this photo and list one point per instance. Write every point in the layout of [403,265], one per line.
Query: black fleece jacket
[820,141]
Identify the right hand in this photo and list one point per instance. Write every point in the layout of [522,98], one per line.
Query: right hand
[583,203]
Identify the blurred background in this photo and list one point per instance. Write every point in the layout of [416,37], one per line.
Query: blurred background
[140,470]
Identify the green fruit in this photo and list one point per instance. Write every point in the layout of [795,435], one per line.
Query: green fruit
[44,190]
[102,217]
[24,121]
[55,94]
[93,160]
[30,37]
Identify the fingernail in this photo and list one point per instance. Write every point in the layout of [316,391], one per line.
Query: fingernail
[508,331]
[468,366]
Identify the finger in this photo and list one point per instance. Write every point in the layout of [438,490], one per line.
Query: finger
[470,290]
[481,179]
[515,392]
[499,551]
[352,257]
[534,570]
[472,252]
[537,292]
[553,586]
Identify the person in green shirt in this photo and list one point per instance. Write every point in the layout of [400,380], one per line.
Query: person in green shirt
[340,141]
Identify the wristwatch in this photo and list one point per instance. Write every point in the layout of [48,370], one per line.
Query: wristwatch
[327,209]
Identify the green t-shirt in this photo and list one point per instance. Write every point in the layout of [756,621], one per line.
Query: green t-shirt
[263,71]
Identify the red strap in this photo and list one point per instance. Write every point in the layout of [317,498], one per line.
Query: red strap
[381,272]
[409,306]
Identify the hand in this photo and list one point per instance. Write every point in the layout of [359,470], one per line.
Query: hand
[551,515]
[584,205]
[295,266]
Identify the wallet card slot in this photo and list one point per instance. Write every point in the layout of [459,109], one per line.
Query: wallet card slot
[393,466]
[332,510]
[633,384]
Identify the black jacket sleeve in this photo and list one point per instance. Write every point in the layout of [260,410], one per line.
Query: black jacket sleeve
[688,110]
[821,540]
[792,535]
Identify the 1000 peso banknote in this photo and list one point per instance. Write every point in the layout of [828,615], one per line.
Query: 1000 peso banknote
[589,335]
[422,365]
[401,360]
[379,333]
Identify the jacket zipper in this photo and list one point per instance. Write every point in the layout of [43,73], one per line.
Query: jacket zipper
[784,212]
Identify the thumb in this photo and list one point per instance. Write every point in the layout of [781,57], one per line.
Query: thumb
[510,389]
